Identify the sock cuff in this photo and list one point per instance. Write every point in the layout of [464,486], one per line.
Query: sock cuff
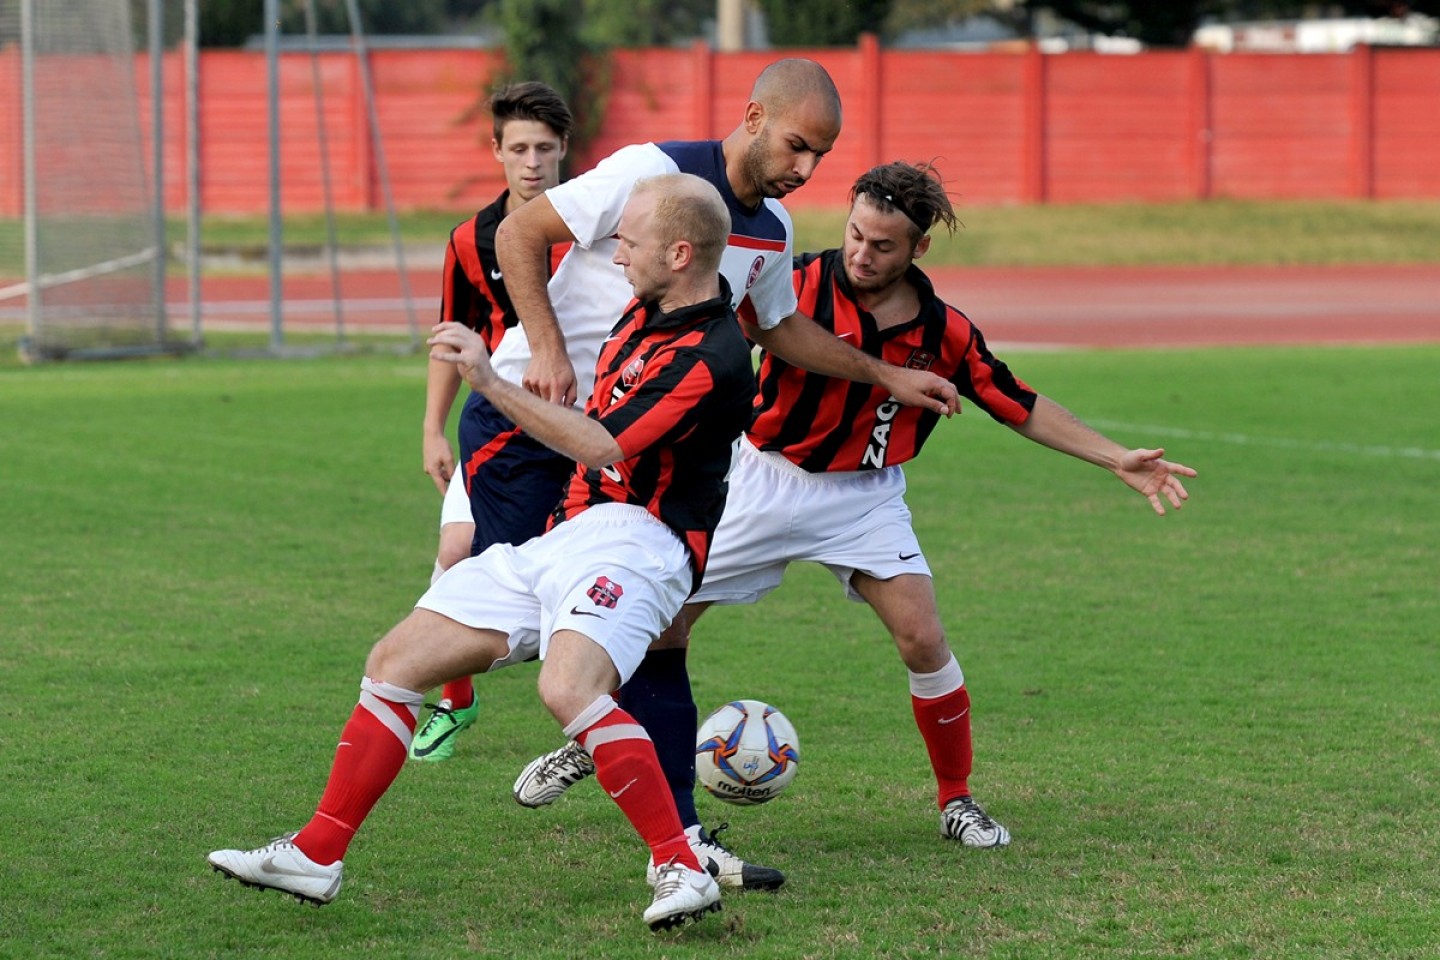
[945,681]
[389,691]
[599,709]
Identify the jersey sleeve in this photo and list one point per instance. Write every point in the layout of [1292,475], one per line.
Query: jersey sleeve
[772,296]
[988,382]
[591,203]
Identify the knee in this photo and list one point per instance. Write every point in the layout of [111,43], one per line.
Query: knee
[923,647]
[562,700]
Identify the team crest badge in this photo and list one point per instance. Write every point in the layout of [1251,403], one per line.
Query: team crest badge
[755,269]
[920,360]
[631,374]
[605,593]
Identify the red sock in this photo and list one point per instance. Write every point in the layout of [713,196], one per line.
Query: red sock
[460,693]
[371,752]
[944,722]
[628,769]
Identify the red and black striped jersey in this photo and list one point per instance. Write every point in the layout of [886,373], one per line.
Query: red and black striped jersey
[828,424]
[674,390]
[472,286]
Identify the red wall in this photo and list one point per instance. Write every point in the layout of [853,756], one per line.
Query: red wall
[1002,127]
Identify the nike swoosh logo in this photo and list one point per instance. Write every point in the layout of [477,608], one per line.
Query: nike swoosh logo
[945,720]
[268,866]
[908,556]
[435,745]
[615,794]
[495,274]
[577,612]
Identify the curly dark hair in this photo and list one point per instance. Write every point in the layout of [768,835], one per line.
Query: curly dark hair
[914,189]
[531,100]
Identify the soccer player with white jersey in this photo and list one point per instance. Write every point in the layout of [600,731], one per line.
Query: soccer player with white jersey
[628,543]
[791,121]
[818,475]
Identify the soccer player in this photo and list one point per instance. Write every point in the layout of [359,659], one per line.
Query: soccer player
[627,545]
[791,121]
[818,476]
[531,132]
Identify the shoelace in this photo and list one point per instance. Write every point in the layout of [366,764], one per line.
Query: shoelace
[968,810]
[447,712]
[714,837]
[669,879]
[548,769]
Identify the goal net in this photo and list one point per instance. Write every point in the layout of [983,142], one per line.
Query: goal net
[78,219]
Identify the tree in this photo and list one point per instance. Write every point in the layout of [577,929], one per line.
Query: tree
[230,23]
[823,23]
[913,14]
[544,40]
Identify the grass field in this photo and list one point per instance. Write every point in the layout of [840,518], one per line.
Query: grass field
[1213,734]
[1133,234]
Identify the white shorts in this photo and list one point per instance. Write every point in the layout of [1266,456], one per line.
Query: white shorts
[456,507]
[614,573]
[777,513]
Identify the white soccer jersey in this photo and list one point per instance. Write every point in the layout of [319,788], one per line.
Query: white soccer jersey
[589,291]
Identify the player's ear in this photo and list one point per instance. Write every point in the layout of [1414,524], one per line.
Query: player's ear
[754,117]
[495,149]
[681,254]
[921,246]
[564,147]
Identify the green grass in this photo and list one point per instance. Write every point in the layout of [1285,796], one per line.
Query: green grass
[1214,232]
[1213,734]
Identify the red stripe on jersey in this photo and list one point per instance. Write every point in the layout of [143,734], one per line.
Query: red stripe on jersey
[466,296]
[829,424]
[485,453]
[674,390]
[756,243]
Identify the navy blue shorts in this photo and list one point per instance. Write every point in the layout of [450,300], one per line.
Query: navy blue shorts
[514,481]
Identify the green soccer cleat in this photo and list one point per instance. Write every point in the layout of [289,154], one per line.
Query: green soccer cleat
[436,739]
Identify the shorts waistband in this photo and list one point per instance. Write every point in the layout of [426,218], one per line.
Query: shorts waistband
[780,462]
[617,515]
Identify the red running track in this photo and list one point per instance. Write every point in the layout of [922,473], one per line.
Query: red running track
[1041,307]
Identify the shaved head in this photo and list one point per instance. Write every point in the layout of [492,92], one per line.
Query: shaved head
[788,83]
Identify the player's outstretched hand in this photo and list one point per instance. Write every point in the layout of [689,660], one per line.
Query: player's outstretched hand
[921,388]
[550,376]
[1152,476]
[458,344]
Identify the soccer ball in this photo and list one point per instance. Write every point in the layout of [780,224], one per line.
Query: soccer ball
[746,752]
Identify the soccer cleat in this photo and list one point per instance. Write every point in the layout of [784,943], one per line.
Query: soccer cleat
[280,865]
[436,739]
[681,894]
[963,820]
[545,778]
[727,869]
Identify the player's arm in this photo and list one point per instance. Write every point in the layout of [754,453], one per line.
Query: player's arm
[802,342]
[522,244]
[442,383]
[1144,471]
[559,427]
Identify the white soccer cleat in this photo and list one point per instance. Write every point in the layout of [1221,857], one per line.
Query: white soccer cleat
[280,865]
[964,820]
[546,778]
[728,870]
[681,894]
